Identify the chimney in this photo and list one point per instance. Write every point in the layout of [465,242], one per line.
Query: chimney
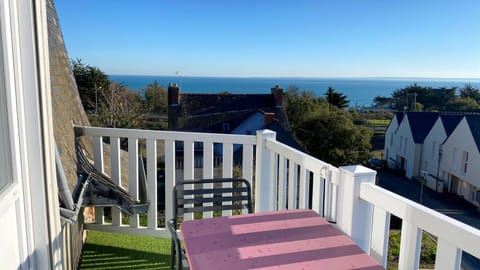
[173,94]
[268,118]
[174,108]
[277,93]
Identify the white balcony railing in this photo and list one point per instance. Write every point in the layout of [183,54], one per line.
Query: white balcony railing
[283,178]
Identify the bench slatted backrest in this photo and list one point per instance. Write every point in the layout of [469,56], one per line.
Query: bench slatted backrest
[192,199]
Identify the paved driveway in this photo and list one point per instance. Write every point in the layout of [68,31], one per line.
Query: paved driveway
[449,205]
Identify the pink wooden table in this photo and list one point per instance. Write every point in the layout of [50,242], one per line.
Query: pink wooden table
[292,239]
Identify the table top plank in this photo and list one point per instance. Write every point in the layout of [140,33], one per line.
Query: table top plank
[291,239]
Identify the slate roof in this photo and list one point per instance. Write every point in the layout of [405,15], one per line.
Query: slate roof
[473,122]
[216,123]
[421,123]
[199,104]
[209,112]
[399,116]
[450,122]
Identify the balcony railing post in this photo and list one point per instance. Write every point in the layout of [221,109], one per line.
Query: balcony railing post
[354,216]
[264,172]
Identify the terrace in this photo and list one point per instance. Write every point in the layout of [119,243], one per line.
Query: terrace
[282,178]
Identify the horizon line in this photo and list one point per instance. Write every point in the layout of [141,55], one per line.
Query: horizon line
[306,77]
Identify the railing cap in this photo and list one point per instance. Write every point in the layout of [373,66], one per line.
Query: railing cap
[266,132]
[358,170]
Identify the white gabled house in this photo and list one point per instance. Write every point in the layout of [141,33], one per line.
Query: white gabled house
[431,152]
[441,147]
[404,148]
[460,159]
[389,151]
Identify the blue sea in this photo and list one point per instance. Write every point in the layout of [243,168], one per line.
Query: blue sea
[359,91]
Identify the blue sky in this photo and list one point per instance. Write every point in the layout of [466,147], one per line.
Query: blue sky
[266,38]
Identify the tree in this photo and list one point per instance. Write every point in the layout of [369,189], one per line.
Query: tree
[468,91]
[441,97]
[299,105]
[382,102]
[336,99]
[417,107]
[405,98]
[330,135]
[90,81]
[156,97]
[327,133]
[431,99]
[120,108]
[462,104]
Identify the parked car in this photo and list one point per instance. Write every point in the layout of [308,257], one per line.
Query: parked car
[375,163]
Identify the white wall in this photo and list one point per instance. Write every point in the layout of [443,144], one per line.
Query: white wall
[461,140]
[410,152]
[431,146]
[389,151]
[29,213]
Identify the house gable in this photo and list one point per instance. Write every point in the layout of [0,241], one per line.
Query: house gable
[450,122]
[462,140]
[431,148]
[420,124]
[473,122]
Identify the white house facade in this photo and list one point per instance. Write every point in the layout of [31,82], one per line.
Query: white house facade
[430,165]
[432,150]
[389,151]
[460,159]
[405,147]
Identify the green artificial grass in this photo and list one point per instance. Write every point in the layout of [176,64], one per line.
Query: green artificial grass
[104,250]
[427,254]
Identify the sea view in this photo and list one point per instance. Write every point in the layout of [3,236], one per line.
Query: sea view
[360,91]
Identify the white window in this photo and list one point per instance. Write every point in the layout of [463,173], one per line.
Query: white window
[391,139]
[405,146]
[465,161]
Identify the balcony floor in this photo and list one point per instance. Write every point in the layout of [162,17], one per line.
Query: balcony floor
[105,250]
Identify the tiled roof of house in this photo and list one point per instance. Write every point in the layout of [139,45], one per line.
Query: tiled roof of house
[421,123]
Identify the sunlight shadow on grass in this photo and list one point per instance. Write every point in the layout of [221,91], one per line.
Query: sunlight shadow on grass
[119,251]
